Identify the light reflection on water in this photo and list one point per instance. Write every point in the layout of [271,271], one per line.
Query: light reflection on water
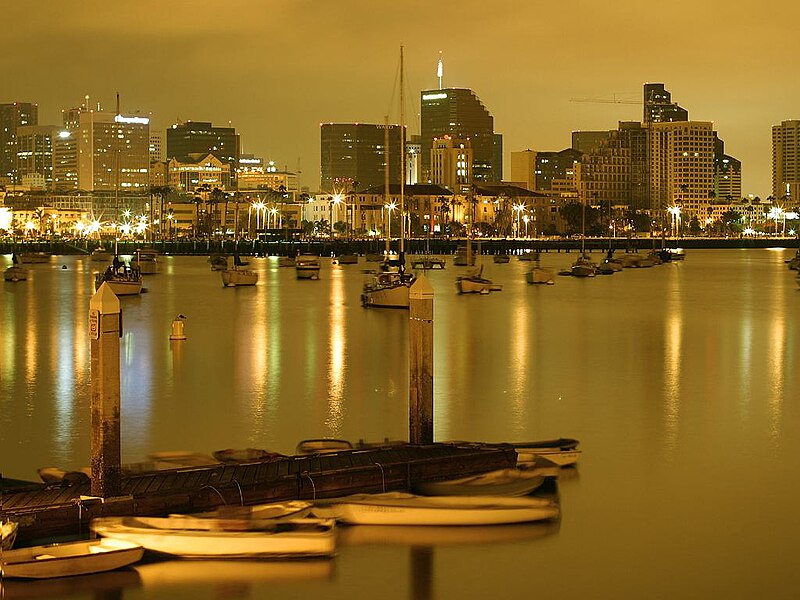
[679,380]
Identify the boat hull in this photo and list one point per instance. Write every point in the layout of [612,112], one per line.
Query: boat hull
[394,296]
[307,272]
[563,458]
[504,482]
[540,276]
[121,287]
[308,537]
[8,534]
[238,277]
[407,509]
[75,558]
[15,273]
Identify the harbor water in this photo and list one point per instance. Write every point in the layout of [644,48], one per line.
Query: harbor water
[681,382]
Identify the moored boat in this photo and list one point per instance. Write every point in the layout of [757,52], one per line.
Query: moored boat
[237,275]
[397,508]
[236,455]
[503,482]
[322,446]
[562,451]
[101,255]
[427,262]
[346,259]
[223,538]
[501,258]
[583,267]
[72,558]
[307,266]
[218,262]
[475,283]
[34,257]
[15,273]
[386,290]
[123,279]
[146,261]
[539,275]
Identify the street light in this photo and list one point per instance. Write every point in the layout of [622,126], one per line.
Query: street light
[389,208]
[336,199]
[675,212]
[525,219]
[518,208]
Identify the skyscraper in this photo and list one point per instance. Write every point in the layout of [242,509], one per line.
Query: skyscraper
[459,113]
[199,137]
[786,160]
[659,107]
[113,150]
[35,155]
[13,115]
[352,155]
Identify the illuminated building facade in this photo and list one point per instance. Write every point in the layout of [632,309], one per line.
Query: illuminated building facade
[545,171]
[459,113]
[353,155]
[35,155]
[199,137]
[12,116]
[727,174]
[157,149]
[682,167]
[113,149]
[198,171]
[786,160]
[451,164]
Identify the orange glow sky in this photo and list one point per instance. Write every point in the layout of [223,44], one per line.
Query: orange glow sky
[278,68]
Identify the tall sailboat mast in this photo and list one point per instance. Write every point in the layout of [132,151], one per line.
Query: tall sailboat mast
[402,166]
[116,180]
[386,192]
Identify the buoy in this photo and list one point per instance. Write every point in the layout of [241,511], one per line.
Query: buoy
[64,267]
[177,328]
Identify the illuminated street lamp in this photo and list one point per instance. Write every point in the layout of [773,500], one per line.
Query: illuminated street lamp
[391,206]
[525,219]
[675,219]
[518,208]
[336,199]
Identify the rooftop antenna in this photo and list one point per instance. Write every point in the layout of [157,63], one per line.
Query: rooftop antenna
[440,69]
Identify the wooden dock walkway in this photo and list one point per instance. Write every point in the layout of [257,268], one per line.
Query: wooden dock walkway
[63,510]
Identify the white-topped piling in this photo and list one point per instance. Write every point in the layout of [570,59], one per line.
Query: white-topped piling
[105,329]
[420,359]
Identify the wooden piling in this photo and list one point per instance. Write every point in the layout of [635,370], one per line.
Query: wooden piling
[105,318]
[420,359]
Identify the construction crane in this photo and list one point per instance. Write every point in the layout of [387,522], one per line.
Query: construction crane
[615,100]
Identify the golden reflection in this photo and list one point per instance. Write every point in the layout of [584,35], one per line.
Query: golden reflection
[776,360]
[673,351]
[519,367]
[336,361]
[31,328]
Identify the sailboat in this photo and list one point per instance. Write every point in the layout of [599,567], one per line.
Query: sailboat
[583,267]
[389,288]
[122,278]
[538,274]
[236,274]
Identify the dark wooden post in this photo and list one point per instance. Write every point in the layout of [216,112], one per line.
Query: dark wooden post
[104,332]
[420,359]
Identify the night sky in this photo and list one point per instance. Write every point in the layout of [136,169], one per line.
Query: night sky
[276,69]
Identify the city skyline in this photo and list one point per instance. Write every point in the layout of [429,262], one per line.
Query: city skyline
[276,74]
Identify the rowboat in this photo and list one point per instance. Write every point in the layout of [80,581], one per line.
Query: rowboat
[15,273]
[222,538]
[8,533]
[503,482]
[245,517]
[322,446]
[398,508]
[73,558]
[307,266]
[563,451]
[234,455]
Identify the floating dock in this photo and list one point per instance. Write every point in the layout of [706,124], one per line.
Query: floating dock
[45,511]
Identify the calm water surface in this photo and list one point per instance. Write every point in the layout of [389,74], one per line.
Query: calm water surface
[681,382]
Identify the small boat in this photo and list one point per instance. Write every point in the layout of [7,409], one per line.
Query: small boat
[33,257]
[322,446]
[72,558]
[501,259]
[123,279]
[233,455]
[503,482]
[237,275]
[475,283]
[563,451]
[398,508]
[101,255]
[388,289]
[583,267]
[177,459]
[428,262]
[346,259]
[15,273]
[462,258]
[526,255]
[146,261]
[218,262]
[291,509]
[286,261]
[539,275]
[307,266]
[8,533]
[223,538]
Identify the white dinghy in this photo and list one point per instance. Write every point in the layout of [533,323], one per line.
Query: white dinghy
[502,482]
[73,558]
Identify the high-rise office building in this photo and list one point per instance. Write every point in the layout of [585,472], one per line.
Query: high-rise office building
[545,171]
[13,115]
[198,137]
[353,155]
[35,155]
[786,160]
[727,173]
[157,150]
[659,107]
[682,167]
[113,151]
[451,164]
[459,113]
